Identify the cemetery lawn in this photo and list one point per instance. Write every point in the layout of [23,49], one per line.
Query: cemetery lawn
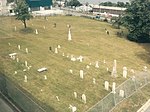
[89,39]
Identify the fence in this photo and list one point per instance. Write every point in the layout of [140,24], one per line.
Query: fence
[127,88]
[18,96]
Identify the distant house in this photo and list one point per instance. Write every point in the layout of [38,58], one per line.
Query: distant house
[3,8]
[115,11]
[36,5]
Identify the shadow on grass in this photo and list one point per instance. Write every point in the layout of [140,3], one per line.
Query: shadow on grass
[23,100]
[27,30]
[145,56]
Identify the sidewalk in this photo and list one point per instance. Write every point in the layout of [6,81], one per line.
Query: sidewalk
[4,107]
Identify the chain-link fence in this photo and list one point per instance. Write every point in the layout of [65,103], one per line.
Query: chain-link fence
[123,91]
[18,96]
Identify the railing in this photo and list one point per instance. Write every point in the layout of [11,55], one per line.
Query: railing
[130,86]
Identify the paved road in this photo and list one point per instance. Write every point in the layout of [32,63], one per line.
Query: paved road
[4,107]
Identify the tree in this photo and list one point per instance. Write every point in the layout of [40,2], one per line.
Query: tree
[137,21]
[22,13]
[120,4]
[74,3]
[10,1]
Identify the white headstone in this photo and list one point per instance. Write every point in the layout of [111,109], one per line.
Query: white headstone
[27,51]
[56,50]
[13,57]
[121,93]
[83,98]
[17,59]
[106,85]
[81,74]
[36,32]
[69,35]
[57,98]
[132,71]
[44,27]
[81,58]
[125,72]
[45,77]
[107,69]
[145,68]
[73,108]
[94,81]
[15,72]
[71,71]
[25,78]
[104,61]
[114,71]
[19,47]
[90,63]
[26,63]
[24,70]
[63,54]
[59,46]
[96,65]
[87,66]
[75,94]
[73,59]
[114,87]
[9,44]
[15,28]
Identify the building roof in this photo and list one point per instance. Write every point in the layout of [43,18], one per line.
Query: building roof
[108,7]
[38,3]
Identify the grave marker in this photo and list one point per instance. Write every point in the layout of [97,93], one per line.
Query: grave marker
[75,94]
[81,74]
[36,32]
[26,63]
[96,65]
[56,51]
[27,51]
[87,66]
[114,87]
[106,85]
[71,71]
[25,78]
[125,72]
[15,28]
[73,108]
[94,81]
[17,59]
[114,71]
[145,68]
[121,93]
[19,47]
[57,98]
[83,97]
[69,35]
[45,77]
[59,46]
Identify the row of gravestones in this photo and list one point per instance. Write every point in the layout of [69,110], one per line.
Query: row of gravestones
[106,85]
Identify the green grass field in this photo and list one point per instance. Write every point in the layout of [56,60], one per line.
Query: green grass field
[89,40]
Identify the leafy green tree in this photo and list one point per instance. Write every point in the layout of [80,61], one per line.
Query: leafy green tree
[107,4]
[137,21]
[9,1]
[22,13]
[74,3]
[120,4]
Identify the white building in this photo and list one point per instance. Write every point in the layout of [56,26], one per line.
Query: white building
[107,10]
[3,8]
[6,9]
